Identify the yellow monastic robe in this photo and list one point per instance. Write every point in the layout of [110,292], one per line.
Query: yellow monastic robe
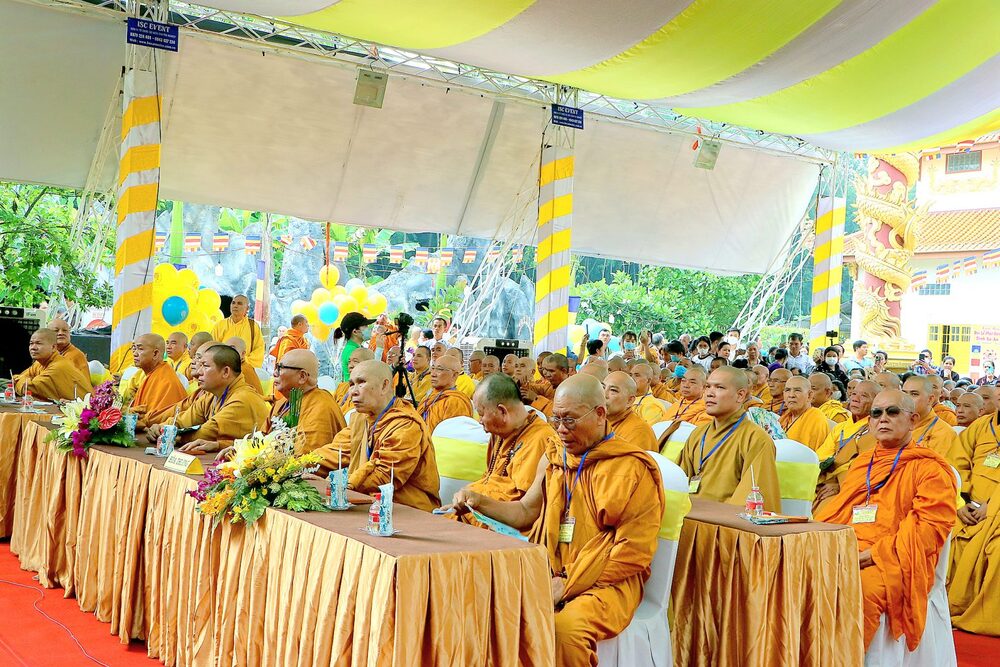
[292,340]
[668,391]
[443,405]
[725,475]
[839,437]
[250,377]
[543,405]
[401,448]
[511,463]
[935,433]
[617,504]
[160,389]
[75,356]
[342,397]
[542,388]
[320,419]
[181,365]
[649,409]
[979,433]
[692,412]
[246,329]
[239,411]
[777,405]
[835,411]
[464,384]
[810,427]
[946,414]
[421,386]
[476,377]
[166,414]
[632,428]
[763,392]
[54,380]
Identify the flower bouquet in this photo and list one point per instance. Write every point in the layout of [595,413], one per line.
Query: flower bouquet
[95,419]
[264,472]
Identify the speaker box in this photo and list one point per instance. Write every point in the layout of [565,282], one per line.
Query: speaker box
[16,327]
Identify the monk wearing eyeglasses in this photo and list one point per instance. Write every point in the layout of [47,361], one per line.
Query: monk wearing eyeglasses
[444,401]
[900,500]
[846,442]
[320,417]
[596,506]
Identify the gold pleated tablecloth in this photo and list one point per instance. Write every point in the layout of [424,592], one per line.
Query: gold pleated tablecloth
[292,589]
[746,595]
[12,422]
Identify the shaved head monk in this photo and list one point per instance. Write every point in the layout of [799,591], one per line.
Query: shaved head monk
[823,400]
[177,353]
[760,387]
[342,393]
[476,365]
[387,440]
[463,382]
[249,374]
[718,455]
[240,325]
[599,371]
[438,350]
[509,366]
[616,500]
[421,378]
[51,377]
[646,405]
[946,414]
[801,421]
[444,401]
[776,385]
[160,387]
[900,500]
[294,338]
[234,411]
[69,351]
[968,408]
[194,345]
[888,380]
[846,441]
[319,418]
[491,365]
[930,430]
[690,407]
[619,397]
[554,370]
[195,392]
[991,403]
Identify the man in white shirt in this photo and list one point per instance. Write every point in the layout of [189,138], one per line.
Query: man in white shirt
[798,357]
[860,360]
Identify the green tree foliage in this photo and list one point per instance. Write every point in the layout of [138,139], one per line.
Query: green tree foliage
[37,258]
[666,299]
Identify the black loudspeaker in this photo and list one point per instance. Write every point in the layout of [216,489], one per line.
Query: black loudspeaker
[16,327]
[95,344]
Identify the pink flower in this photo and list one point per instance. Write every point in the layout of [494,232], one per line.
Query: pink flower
[108,418]
[80,437]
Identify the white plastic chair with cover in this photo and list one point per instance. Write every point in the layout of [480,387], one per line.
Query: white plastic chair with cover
[646,640]
[98,373]
[937,644]
[537,412]
[798,471]
[183,379]
[128,373]
[675,444]
[958,429]
[349,415]
[460,449]
[327,382]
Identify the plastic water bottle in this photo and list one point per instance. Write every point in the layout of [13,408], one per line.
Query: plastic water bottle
[27,402]
[755,502]
[375,515]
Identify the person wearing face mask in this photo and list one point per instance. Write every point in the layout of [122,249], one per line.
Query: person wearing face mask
[831,365]
[352,328]
[733,337]
[990,377]
[703,353]
[630,345]
[675,358]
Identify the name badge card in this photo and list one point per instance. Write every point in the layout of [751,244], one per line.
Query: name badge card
[186,464]
[992,460]
[566,528]
[864,513]
[694,484]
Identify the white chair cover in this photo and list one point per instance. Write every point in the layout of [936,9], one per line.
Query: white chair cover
[790,451]
[646,640]
[349,415]
[327,382]
[958,429]
[937,644]
[128,373]
[666,404]
[183,379]
[96,367]
[672,449]
[537,412]
[460,449]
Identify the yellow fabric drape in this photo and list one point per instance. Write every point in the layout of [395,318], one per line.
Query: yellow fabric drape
[11,425]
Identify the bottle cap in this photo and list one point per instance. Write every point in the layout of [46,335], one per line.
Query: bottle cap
[378,496]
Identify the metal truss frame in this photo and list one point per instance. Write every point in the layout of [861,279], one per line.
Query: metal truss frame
[281,36]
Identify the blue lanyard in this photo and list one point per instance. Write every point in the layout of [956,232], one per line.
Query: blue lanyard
[994,431]
[680,411]
[371,433]
[857,434]
[430,405]
[347,397]
[704,458]
[569,489]
[220,403]
[927,430]
[868,476]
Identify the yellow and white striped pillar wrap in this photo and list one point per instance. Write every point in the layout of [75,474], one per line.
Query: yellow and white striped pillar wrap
[138,188]
[828,267]
[555,226]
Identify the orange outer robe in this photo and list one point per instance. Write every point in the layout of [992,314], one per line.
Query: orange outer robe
[916,511]
[160,389]
[946,414]
[166,414]
[648,408]
[632,428]
[292,340]
[75,356]
[320,419]
[443,405]
[764,394]
[692,412]
[402,447]
[726,474]
[810,428]
[53,381]
[617,504]
[835,411]
[243,411]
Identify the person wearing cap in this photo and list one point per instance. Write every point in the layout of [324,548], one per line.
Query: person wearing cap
[352,328]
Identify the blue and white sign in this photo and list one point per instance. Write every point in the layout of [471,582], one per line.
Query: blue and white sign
[143,32]
[567,116]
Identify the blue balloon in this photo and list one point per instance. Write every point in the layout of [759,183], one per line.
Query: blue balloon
[175,310]
[614,344]
[328,313]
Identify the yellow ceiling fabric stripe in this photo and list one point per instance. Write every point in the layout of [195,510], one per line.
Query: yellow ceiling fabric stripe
[706,43]
[408,24]
[939,46]
[976,127]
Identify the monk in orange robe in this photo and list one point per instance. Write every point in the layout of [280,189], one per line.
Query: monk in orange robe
[776,385]
[387,440]
[900,500]
[800,420]
[234,411]
[320,417]
[195,394]
[945,413]
[690,408]
[647,406]
[968,408]
[50,377]
[196,343]
[932,431]
[160,387]
[760,387]
[70,352]
[846,442]
[293,339]
[343,392]
[476,365]
[823,400]
[619,397]
[445,401]
[612,492]
[249,374]
[555,370]
[177,353]
[463,382]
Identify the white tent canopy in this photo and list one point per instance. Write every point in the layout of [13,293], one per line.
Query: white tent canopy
[272,132]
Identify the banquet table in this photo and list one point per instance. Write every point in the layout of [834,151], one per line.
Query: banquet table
[746,595]
[12,421]
[120,533]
